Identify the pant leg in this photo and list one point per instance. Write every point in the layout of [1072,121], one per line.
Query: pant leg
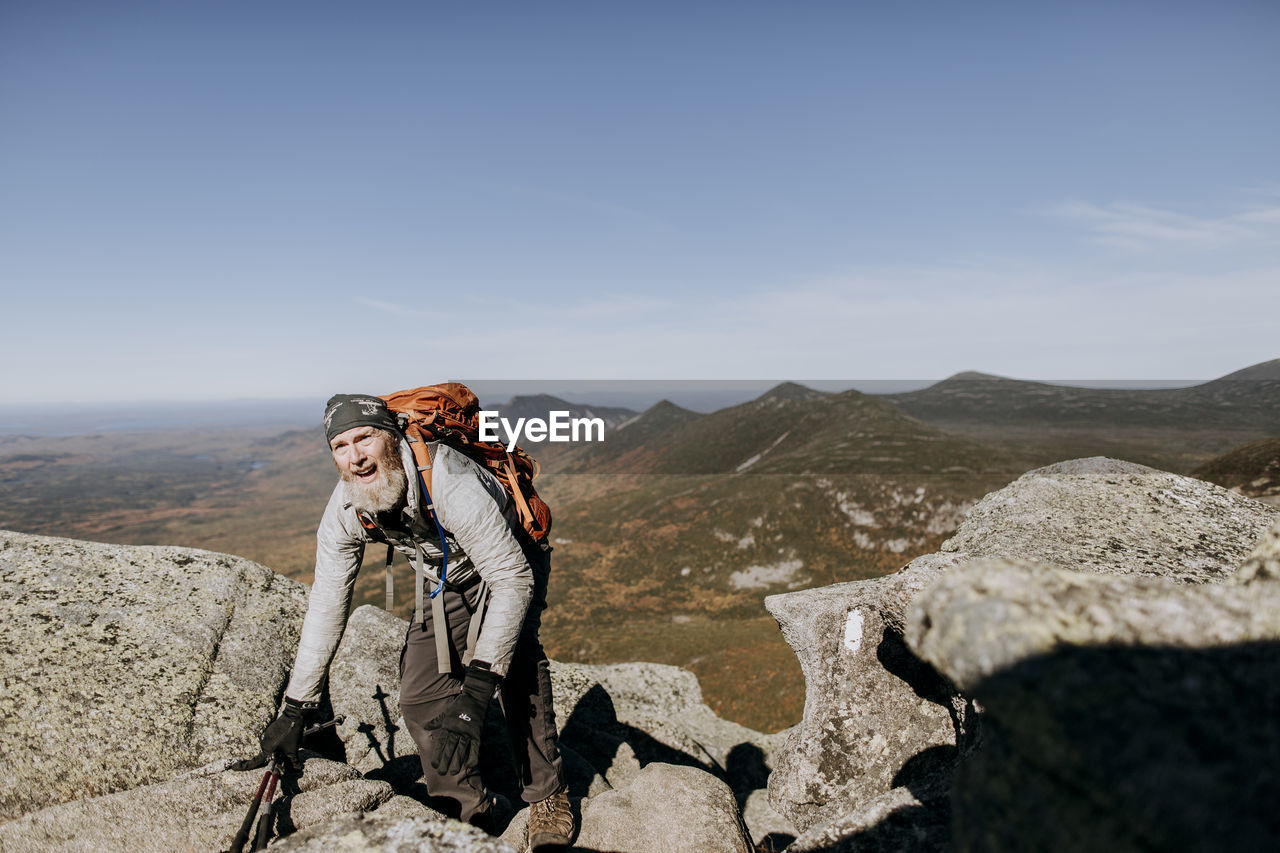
[424,693]
[526,697]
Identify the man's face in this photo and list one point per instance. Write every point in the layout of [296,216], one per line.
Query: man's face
[369,461]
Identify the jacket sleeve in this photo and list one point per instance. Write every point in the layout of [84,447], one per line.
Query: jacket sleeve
[473,516]
[338,555]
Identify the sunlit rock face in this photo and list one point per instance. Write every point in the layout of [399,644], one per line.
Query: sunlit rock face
[878,717]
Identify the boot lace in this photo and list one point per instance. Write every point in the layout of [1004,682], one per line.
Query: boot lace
[551,818]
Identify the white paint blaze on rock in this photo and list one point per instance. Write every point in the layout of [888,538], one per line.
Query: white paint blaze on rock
[853,631]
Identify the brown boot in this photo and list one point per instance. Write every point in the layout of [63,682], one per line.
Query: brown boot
[551,824]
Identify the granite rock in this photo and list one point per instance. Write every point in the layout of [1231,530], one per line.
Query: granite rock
[1263,564]
[665,807]
[392,833]
[877,717]
[1119,712]
[1112,517]
[197,810]
[123,666]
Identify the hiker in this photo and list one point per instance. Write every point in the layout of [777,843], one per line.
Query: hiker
[452,663]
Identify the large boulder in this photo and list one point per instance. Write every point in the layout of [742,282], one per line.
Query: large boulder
[383,833]
[664,807]
[198,810]
[364,687]
[1123,713]
[1105,515]
[123,666]
[658,712]
[876,717]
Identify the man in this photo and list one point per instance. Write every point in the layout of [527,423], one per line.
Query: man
[493,572]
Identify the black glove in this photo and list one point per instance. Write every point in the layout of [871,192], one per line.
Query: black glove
[456,745]
[281,737]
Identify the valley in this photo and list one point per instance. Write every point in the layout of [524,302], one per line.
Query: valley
[669,534]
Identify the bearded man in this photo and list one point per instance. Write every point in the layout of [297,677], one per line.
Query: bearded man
[479,635]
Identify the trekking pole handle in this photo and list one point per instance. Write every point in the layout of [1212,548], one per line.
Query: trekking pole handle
[336,721]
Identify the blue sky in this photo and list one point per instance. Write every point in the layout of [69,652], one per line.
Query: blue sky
[283,199]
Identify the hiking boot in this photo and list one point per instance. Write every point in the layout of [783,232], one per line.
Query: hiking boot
[551,823]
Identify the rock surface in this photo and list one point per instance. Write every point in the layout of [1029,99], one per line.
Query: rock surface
[657,710]
[1104,515]
[901,820]
[875,718]
[122,666]
[1119,713]
[391,833]
[198,810]
[871,708]
[364,687]
[665,808]
[1264,563]
[991,615]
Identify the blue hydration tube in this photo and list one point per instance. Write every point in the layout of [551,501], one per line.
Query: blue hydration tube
[444,545]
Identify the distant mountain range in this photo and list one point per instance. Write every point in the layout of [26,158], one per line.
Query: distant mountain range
[1247,399]
[669,532]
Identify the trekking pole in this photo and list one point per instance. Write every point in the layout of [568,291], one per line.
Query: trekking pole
[269,780]
[237,843]
[264,822]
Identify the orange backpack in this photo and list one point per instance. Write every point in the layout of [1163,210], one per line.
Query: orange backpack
[450,412]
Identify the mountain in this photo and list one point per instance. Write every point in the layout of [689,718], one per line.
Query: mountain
[1252,469]
[669,534]
[1175,428]
[1266,371]
[789,429]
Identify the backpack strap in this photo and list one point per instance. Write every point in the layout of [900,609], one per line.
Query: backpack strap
[391,584]
[522,506]
[439,619]
[421,454]
[477,620]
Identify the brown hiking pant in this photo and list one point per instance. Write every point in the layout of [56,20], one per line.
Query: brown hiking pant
[525,698]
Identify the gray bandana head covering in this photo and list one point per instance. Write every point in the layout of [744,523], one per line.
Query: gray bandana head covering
[345,411]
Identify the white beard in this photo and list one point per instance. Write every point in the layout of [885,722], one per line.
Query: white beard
[385,493]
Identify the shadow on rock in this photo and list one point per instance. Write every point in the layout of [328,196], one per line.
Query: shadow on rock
[894,655]
[617,750]
[1125,748]
[745,770]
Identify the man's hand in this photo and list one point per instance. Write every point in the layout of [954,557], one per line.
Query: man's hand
[456,743]
[281,738]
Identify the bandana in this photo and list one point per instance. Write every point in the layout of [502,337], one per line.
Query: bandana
[345,411]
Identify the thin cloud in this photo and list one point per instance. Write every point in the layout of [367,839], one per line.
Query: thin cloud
[1269,216]
[1139,227]
[904,323]
[407,311]
[593,206]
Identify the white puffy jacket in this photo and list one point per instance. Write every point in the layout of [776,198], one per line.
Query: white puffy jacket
[473,509]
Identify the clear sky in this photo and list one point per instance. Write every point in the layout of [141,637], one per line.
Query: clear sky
[284,199]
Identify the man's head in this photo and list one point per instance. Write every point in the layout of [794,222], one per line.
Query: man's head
[365,442]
